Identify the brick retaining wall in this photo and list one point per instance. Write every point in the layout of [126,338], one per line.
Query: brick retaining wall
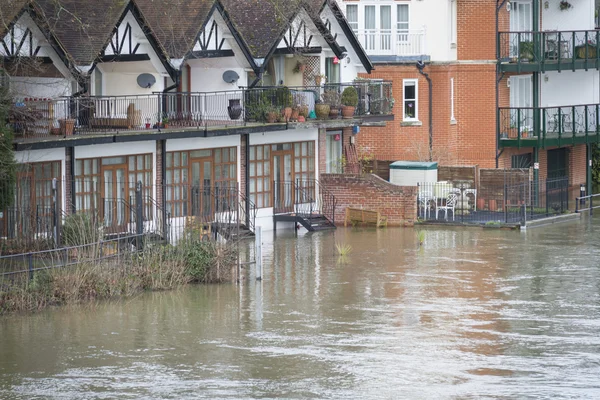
[397,203]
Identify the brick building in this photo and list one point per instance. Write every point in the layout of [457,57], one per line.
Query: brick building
[515,84]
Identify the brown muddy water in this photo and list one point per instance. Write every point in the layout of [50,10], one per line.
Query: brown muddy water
[474,313]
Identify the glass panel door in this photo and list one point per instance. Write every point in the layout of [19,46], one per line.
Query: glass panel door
[116,204]
[521,23]
[202,196]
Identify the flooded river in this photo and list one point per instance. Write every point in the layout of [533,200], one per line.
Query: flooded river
[474,313]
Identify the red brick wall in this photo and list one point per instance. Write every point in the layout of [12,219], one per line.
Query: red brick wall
[476,29]
[397,203]
[470,141]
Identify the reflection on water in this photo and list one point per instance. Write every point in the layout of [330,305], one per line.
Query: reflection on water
[473,313]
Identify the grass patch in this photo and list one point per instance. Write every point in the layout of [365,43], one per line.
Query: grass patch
[159,267]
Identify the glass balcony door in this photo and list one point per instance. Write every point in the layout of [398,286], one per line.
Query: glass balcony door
[521,20]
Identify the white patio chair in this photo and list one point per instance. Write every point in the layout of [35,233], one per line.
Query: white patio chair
[426,198]
[451,200]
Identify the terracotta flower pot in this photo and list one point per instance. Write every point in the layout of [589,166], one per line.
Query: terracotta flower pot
[322,111]
[295,114]
[348,112]
[334,113]
[66,126]
[271,117]
[301,118]
[287,113]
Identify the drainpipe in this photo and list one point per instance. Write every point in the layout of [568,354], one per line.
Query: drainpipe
[420,66]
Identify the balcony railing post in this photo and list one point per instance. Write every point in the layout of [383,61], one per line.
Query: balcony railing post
[573,122]
[586,124]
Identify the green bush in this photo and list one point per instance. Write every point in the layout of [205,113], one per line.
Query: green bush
[199,257]
[284,97]
[79,229]
[350,97]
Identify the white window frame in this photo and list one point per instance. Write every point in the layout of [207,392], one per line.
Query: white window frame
[415,83]
[402,34]
[452,119]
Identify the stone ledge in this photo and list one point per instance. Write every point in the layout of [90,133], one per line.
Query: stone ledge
[551,220]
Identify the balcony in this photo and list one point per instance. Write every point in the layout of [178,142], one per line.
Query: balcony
[382,44]
[548,51]
[212,113]
[549,126]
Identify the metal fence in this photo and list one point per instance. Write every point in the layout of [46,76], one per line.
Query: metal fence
[508,203]
[127,208]
[16,269]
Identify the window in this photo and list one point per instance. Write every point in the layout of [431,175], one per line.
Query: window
[278,162]
[87,184]
[352,16]
[402,22]
[452,100]
[334,152]
[191,175]
[332,71]
[411,111]
[521,161]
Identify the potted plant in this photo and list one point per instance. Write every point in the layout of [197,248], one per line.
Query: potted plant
[525,132]
[321,109]
[303,111]
[234,109]
[299,67]
[66,126]
[147,123]
[564,5]
[333,98]
[165,122]
[349,101]
[526,51]
[295,113]
[272,113]
[285,100]
[320,78]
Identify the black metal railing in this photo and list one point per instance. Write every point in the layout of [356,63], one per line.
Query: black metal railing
[42,117]
[40,226]
[490,204]
[549,46]
[549,122]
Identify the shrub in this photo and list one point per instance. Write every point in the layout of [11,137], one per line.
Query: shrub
[350,97]
[79,229]
[331,97]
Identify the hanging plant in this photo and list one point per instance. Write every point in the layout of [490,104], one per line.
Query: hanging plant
[564,5]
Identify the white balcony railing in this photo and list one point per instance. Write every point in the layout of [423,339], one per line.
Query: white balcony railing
[393,42]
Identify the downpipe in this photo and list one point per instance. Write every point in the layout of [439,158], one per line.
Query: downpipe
[420,67]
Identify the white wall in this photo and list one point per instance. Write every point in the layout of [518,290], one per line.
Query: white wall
[207,74]
[569,88]
[33,87]
[120,78]
[433,15]
[578,17]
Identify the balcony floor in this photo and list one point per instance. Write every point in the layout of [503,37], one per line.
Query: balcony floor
[219,128]
[550,65]
[549,140]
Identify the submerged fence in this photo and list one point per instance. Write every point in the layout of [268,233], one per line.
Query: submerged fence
[509,203]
